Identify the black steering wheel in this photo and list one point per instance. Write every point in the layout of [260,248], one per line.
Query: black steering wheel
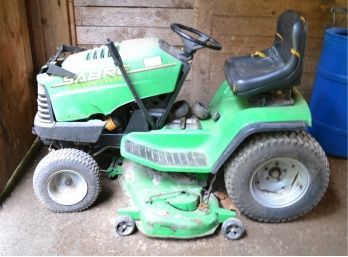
[203,39]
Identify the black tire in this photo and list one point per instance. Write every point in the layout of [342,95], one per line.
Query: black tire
[244,170]
[200,111]
[125,225]
[81,185]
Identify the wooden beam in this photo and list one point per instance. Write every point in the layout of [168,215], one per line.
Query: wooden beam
[36,34]
[242,8]
[200,89]
[185,4]
[310,9]
[268,8]
[131,17]
[49,27]
[16,87]
[98,35]
[71,21]
[55,23]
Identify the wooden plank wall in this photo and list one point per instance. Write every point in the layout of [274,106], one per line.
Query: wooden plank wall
[97,20]
[341,18]
[244,27]
[241,26]
[16,87]
[49,28]
[30,32]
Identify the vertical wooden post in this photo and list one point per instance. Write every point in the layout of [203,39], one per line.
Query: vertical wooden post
[36,34]
[72,22]
[51,24]
[201,65]
[16,87]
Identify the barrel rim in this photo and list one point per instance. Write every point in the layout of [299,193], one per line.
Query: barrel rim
[337,32]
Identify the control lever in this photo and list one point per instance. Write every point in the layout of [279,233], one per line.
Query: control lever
[119,63]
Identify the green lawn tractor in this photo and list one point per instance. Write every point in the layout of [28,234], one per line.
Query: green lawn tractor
[122,98]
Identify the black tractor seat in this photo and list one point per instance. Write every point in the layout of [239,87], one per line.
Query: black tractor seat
[276,68]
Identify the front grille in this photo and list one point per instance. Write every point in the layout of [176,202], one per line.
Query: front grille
[166,158]
[98,53]
[43,106]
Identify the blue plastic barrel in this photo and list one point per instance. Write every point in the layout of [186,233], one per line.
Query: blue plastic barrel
[329,96]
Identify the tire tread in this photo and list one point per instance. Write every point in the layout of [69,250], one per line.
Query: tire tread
[261,142]
[66,155]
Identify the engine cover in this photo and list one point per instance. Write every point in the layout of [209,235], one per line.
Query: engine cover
[99,87]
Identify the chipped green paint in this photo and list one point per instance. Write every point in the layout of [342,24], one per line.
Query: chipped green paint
[168,204]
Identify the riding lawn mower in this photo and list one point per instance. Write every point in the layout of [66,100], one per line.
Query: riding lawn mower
[121,98]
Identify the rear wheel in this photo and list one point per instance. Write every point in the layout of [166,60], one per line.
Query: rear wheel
[277,177]
[67,180]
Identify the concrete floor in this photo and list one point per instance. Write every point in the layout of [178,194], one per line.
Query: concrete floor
[27,228]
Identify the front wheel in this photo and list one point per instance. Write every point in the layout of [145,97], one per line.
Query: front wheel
[67,180]
[277,177]
[233,229]
[125,225]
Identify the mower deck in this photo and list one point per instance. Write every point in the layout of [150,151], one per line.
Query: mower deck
[169,204]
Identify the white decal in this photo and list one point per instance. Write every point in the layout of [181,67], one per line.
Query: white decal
[152,61]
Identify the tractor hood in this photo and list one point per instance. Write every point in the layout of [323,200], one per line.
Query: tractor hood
[96,85]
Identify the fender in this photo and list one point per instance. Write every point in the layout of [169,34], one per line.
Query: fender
[204,150]
[254,129]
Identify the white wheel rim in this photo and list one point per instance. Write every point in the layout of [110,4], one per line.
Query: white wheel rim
[279,182]
[234,231]
[67,187]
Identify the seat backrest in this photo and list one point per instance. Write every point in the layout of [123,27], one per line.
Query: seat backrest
[291,36]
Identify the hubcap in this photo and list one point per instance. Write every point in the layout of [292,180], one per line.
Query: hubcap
[67,187]
[279,182]
[124,228]
[234,231]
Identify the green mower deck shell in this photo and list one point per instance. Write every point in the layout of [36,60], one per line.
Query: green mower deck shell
[166,204]
[199,149]
[100,88]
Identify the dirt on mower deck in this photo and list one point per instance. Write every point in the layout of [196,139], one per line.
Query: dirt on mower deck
[27,228]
